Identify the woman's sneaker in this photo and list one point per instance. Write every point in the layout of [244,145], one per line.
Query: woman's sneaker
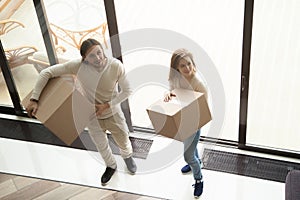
[198,188]
[186,169]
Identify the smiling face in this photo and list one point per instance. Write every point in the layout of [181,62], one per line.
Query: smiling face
[186,67]
[182,61]
[95,56]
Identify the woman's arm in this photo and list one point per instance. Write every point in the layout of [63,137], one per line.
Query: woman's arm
[170,94]
[201,88]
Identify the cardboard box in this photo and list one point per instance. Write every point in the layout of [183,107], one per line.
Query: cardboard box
[182,116]
[63,109]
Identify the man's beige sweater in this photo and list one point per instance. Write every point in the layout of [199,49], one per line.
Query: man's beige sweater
[99,85]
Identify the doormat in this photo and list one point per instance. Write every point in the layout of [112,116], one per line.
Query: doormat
[141,147]
[251,166]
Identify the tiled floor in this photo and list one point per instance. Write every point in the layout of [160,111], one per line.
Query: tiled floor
[157,176]
[25,188]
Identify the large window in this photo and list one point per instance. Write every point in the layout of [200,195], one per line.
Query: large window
[211,30]
[24,44]
[216,26]
[77,20]
[20,41]
[273,103]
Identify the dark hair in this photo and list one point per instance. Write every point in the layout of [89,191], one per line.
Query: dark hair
[86,45]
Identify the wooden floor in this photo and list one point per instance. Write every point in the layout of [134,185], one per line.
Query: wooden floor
[23,188]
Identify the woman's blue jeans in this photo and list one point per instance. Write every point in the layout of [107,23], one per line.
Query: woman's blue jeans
[191,155]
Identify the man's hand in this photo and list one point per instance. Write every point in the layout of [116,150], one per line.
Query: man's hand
[100,108]
[32,108]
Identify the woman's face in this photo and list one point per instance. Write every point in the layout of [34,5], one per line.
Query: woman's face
[186,67]
[95,56]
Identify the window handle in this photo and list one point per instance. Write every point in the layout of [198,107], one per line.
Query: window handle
[244,83]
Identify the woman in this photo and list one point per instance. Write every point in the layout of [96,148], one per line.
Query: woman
[183,75]
[99,77]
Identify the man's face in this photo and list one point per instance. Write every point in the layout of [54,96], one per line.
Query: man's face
[95,56]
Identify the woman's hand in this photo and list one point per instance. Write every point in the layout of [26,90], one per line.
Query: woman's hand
[32,108]
[100,108]
[169,96]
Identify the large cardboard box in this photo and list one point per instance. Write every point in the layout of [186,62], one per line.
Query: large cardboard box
[63,109]
[182,116]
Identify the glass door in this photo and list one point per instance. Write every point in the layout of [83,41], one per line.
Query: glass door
[77,20]
[273,100]
[216,27]
[21,38]
[27,49]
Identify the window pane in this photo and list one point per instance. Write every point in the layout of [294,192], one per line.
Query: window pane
[4,95]
[22,39]
[216,26]
[77,20]
[273,109]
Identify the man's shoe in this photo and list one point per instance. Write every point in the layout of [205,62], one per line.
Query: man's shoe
[107,175]
[198,188]
[131,166]
[186,169]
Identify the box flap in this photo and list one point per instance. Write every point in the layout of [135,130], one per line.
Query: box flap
[185,97]
[167,108]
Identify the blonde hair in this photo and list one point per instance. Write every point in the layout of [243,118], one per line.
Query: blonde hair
[176,57]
